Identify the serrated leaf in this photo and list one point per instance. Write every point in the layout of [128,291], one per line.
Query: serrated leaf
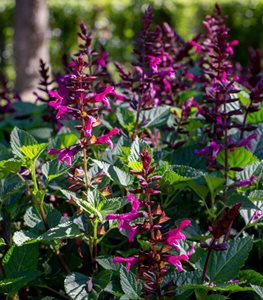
[240,157]
[66,230]
[20,138]
[180,173]
[248,171]
[106,262]
[9,166]
[155,117]
[214,182]
[9,186]
[225,265]
[54,169]
[32,151]
[258,290]
[233,198]
[256,195]
[137,148]
[251,277]
[135,165]
[255,117]
[76,286]
[100,281]
[126,118]
[114,173]
[129,284]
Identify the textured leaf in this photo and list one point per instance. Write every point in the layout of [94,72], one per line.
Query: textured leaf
[155,117]
[180,174]
[126,118]
[9,186]
[67,230]
[233,288]
[249,170]
[33,151]
[216,297]
[76,286]
[100,281]
[9,166]
[137,148]
[255,117]
[225,265]
[129,284]
[258,290]
[256,195]
[20,138]
[114,173]
[53,169]
[252,277]
[240,157]
[106,262]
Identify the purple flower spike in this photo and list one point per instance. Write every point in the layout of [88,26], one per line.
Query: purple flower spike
[246,182]
[105,139]
[154,62]
[130,261]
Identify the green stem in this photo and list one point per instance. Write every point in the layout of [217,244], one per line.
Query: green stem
[94,245]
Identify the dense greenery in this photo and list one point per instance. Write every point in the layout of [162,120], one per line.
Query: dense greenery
[149,187]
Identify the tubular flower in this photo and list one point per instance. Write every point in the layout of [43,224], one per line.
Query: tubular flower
[176,261]
[105,139]
[130,261]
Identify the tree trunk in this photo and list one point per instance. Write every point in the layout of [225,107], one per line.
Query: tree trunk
[30,44]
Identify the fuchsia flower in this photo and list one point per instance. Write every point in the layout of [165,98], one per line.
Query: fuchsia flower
[128,217]
[246,142]
[102,97]
[65,154]
[130,261]
[246,182]
[174,235]
[257,214]
[213,147]
[105,139]
[176,261]
[88,128]
[62,109]
[101,60]
[154,62]
[198,47]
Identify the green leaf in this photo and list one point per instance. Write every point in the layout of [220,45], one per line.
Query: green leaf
[233,288]
[243,95]
[181,173]
[77,286]
[249,170]
[258,290]
[53,169]
[129,284]
[126,118]
[20,138]
[20,264]
[256,195]
[255,117]
[155,117]
[214,183]
[9,166]
[114,173]
[225,265]
[234,197]
[240,157]
[252,277]
[106,262]
[137,148]
[33,151]
[135,165]
[216,297]
[100,281]
[9,186]
[66,230]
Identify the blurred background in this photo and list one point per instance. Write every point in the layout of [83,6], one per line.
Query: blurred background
[114,23]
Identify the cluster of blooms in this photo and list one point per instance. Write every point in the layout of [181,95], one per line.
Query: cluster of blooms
[146,218]
[78,93]
[220,93]
[160,54]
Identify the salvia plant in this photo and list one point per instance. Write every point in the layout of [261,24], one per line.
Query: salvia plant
[147,187]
